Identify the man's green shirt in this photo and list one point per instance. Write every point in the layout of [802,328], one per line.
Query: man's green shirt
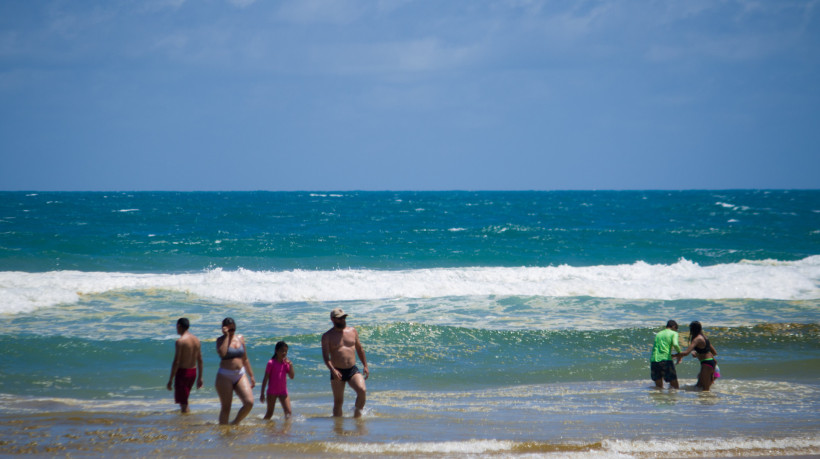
[665,340]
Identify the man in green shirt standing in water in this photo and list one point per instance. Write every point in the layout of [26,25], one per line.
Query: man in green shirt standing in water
[661,365]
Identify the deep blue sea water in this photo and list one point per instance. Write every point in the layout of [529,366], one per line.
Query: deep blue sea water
[182,232]
[521,321]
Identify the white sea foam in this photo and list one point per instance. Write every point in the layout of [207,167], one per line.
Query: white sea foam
[769,279]
[446,447]
[715,446]
[731,206]
[609,448]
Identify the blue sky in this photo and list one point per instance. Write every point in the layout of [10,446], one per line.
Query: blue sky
[409,95]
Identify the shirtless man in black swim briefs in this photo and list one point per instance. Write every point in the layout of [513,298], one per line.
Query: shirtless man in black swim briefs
[340,345]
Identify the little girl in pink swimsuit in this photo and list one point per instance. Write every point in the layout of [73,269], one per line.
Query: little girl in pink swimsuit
[278,367]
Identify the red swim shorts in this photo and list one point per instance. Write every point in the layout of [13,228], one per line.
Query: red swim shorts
[183,382]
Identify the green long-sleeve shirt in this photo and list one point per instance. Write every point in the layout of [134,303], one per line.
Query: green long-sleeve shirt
[665,341]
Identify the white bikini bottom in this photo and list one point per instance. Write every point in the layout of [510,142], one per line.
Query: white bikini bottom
[234,375]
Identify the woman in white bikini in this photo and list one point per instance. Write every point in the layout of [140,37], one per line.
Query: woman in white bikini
[232,370]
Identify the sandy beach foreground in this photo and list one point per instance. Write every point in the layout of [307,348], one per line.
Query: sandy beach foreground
[169,434]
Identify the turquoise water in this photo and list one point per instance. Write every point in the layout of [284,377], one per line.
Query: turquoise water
[178,232]
[521,321]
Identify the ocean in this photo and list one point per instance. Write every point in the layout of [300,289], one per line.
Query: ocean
[503,324]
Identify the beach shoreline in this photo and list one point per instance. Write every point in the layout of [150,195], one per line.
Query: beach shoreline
[170,434]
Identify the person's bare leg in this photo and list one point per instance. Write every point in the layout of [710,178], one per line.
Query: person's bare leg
[659,383]
[338,396]
[245,394]
[674,384]
[357,384]
[224,388]
[285,401]
[706,377]
[271,401]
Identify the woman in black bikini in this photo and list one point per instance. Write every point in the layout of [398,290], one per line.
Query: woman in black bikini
[705,352]
[232,370]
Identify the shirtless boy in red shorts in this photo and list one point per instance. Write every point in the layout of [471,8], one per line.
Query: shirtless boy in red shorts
[187,365]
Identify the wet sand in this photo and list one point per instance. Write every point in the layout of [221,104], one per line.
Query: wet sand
[171,434]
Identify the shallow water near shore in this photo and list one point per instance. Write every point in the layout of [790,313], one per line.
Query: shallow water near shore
[577,420]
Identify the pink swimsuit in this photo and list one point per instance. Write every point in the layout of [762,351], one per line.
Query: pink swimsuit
[277,372]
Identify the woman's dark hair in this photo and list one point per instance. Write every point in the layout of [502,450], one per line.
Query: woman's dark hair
[228,322]
[695,329]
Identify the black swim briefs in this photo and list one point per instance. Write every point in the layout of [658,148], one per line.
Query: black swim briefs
[346,373]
